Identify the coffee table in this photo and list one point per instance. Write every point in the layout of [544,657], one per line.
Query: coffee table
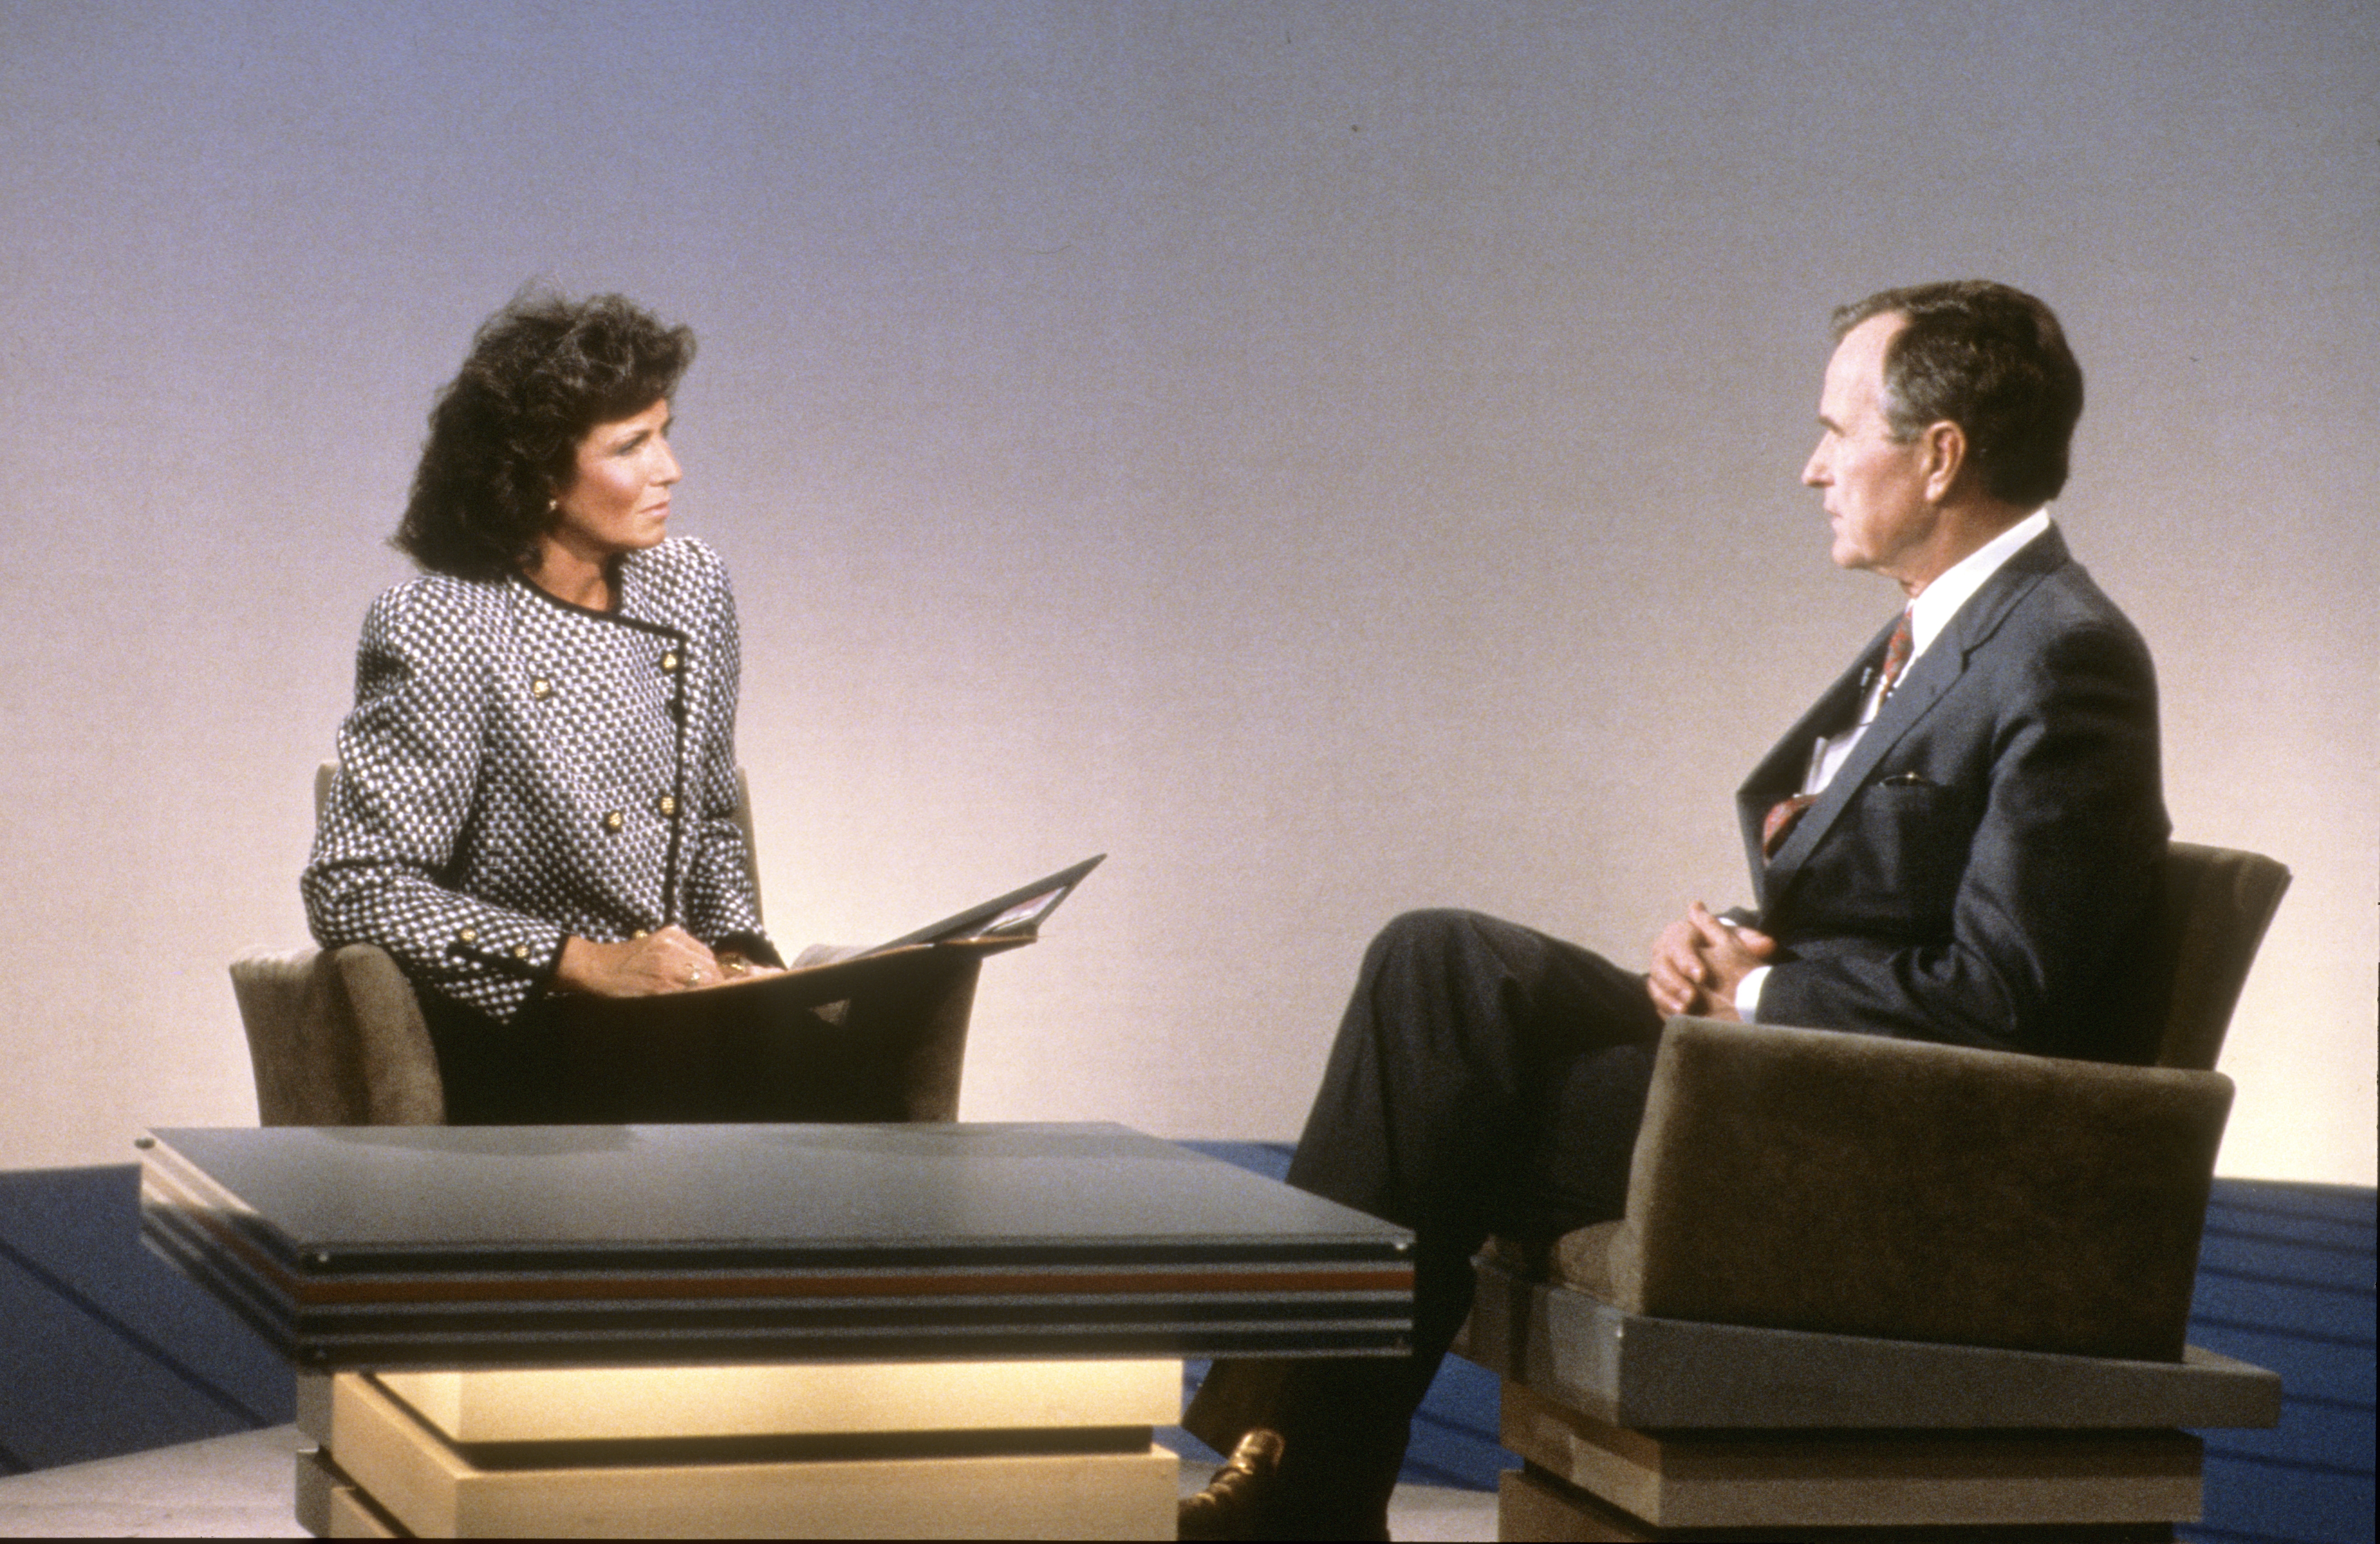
[913,1329]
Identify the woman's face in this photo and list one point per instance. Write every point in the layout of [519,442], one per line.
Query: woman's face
[618,500]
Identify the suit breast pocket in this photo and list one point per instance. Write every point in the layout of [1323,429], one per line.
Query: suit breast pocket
[1899,851]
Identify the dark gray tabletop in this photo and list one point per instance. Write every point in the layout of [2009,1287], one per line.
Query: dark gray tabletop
[393,1196]
[507,1244]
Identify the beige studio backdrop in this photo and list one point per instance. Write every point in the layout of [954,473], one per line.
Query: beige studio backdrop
[1334,459]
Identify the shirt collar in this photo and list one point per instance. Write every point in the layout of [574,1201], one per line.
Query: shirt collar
[1940,600]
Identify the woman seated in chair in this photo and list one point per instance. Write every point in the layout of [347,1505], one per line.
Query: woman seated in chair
[537,786]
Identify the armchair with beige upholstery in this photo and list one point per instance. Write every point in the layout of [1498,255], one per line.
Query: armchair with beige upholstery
[1874,1288]
[337,1036]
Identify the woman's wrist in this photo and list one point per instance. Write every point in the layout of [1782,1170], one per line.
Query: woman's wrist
[579,966]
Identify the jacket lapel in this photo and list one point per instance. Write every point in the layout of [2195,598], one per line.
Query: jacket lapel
[1931,676]
[1780,773]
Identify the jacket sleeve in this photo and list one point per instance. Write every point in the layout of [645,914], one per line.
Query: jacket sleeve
[721,908]
[410,760]
[2060,863]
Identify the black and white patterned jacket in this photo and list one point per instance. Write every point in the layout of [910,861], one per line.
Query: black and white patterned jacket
[518,770]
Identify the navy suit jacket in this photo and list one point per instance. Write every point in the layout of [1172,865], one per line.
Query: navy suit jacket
[1980,869]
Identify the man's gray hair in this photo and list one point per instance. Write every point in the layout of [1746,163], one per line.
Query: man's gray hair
[1991,359]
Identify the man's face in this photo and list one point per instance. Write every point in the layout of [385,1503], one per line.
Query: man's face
[1875,489]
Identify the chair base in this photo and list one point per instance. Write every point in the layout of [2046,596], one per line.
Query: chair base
[1638,1371]
[1533,1505]
[1824,1480]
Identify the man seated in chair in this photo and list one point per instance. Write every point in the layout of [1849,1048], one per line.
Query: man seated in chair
[1958,843]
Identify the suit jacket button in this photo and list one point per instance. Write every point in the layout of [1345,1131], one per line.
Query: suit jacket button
[615,821]
[666,804]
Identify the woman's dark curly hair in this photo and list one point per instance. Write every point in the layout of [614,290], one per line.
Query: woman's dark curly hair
[504,432]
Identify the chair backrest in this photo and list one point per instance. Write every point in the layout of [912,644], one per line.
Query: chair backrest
[2217,904]
[751,844]
[328,770]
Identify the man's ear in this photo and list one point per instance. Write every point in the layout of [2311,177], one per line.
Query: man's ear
[1944,445]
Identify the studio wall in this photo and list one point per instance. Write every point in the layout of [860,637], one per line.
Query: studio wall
[1333,458]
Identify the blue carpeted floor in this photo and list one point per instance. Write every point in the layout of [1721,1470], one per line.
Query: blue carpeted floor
[105,1351]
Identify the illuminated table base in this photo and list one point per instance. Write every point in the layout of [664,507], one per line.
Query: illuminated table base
[1049,1450]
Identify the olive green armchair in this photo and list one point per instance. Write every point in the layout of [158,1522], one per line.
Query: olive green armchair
[1868,1287]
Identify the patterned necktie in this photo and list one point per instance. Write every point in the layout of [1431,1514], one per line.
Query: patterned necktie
[1778,822]
[1896,652]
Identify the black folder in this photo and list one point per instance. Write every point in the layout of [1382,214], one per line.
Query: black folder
[840,1041]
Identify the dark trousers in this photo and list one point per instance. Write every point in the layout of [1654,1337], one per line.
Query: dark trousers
[1486,1078]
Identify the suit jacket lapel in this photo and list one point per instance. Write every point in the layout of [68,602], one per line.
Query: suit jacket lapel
[1780,773]
[1931,676]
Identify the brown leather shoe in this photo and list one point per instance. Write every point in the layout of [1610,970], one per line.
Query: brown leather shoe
[1241,1500]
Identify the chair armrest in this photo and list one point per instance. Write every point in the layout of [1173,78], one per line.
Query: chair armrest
[337,1038]
[1855,1185]
[922,1016]
[914,1002]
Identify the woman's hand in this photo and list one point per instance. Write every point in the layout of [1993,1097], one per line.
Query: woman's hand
[669,960]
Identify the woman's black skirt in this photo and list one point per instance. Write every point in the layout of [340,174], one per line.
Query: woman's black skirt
[687,1057]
